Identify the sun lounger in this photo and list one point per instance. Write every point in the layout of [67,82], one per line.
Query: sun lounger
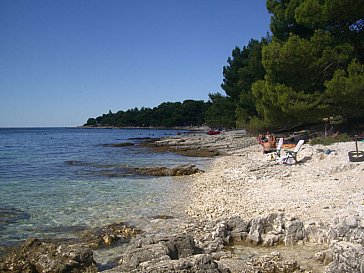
[292,155]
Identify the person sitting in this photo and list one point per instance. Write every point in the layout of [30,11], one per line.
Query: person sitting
[272,141]
[267,146]
[268,143]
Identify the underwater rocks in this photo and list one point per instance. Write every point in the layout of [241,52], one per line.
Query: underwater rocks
[164,171]
[110,234]
[122,171]
[12,215]
[123,144]
[181,170]
[61,256]
[36,256]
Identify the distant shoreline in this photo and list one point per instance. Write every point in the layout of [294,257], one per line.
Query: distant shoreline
[184,128]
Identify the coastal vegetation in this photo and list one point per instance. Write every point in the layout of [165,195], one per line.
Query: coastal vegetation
[309,69]
[167,114]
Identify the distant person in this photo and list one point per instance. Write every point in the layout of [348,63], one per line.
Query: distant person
[268,142]
[267,146]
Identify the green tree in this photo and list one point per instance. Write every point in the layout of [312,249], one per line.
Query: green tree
[344,19]
[244,68]
[346,91]
[283,20]
[221,112]
[91,122]
[293,91]
[314,41]
[193,112]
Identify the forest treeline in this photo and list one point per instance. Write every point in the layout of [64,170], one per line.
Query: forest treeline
[167,114]
[310,68]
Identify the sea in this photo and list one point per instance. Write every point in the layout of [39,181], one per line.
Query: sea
[56,182]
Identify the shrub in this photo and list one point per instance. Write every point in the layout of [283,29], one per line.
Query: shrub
[256,125]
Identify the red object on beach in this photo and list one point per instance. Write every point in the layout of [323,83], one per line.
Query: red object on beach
[213,132]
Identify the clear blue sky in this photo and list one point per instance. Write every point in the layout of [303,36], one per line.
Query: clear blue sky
[64,61]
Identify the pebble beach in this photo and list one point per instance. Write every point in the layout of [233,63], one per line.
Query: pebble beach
[248,184]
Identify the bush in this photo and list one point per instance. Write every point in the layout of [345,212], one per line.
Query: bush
[256,125]
[330,139]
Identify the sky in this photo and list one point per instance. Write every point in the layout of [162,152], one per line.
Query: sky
[64,61]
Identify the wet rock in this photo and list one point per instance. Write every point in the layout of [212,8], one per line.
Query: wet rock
[198,152]
[108,235]
[123,144]
[37,256]
[162,217]
[164,171]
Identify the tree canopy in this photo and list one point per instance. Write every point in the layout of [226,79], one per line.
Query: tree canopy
[167,114]
[309,69]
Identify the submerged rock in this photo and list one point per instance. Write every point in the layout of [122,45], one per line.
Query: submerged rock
[164,171]
[36,256]
[12,215]
[123,144]
[110,234]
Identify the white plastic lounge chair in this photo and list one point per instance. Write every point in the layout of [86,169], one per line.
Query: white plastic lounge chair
[279,146]
[292,155]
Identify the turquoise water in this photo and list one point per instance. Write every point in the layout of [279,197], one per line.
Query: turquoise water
[57,181]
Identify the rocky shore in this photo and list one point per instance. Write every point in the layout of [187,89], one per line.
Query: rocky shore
[245,213]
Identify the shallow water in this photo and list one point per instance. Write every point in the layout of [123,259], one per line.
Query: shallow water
[55,182]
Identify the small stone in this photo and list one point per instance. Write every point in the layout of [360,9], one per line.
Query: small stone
[351,221]
[320,256]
